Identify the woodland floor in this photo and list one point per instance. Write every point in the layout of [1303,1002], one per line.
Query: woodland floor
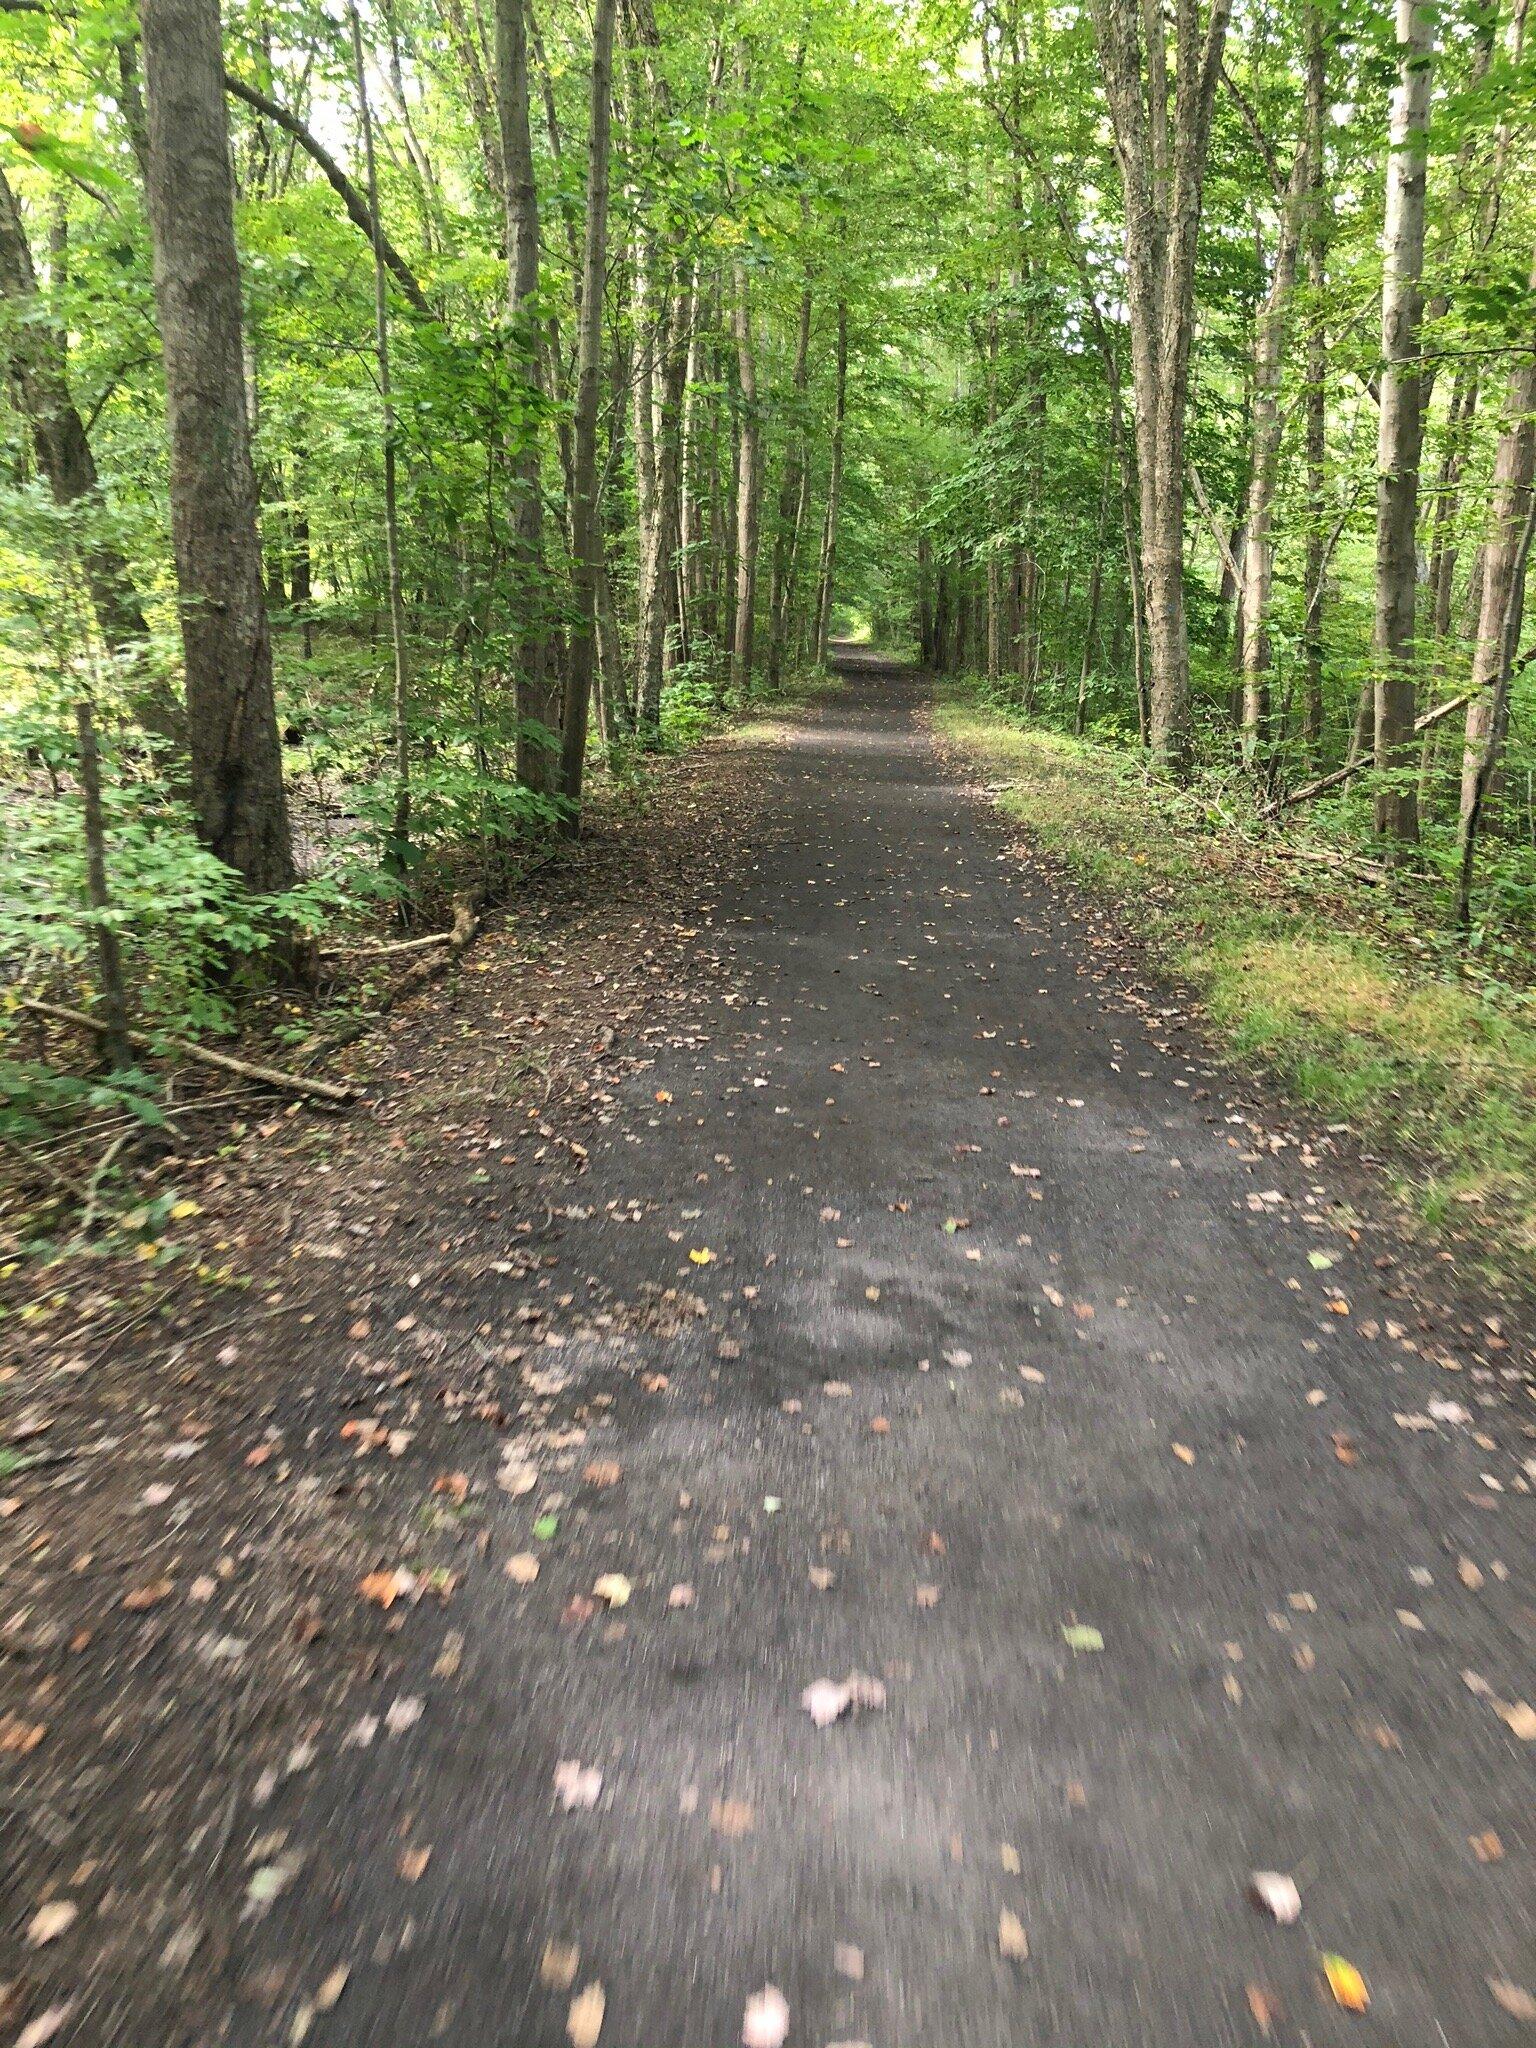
[806,1214]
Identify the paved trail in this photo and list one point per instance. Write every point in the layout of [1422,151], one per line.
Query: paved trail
[913,1031]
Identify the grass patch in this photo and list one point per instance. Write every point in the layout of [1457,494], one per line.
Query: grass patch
[1302,978]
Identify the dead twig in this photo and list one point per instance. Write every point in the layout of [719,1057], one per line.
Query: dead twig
[249,1070]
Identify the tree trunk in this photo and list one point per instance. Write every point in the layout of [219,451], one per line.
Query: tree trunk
[791,491]
[535,695]
[235,754]
[828,574]
[1503,593]
[399,850]
[1161,151]
[1317,385]
[39,371]
[109,959]
[586,525]
[1258,556]
[1400,432]
[749,461]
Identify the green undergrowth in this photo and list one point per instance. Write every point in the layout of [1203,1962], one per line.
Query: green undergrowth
[1333,995]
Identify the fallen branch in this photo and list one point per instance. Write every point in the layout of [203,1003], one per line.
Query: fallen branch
[366,949]
[250,1070]
[1346,863]
[1365,758]
[446,948]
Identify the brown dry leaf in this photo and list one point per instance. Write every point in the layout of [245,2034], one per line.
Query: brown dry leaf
[1345,1448]
[926,1596]
[39,2032]
[522,1568]
[578,1785]
[1009,1858]
[1487,1847]
[454,1485]
[1512,1998]
[880,1426]
[848,1961]
[1469,1574]
[681,1595]
[584,2022]
[18,1737]
[412,1864]
[1520,1719]
[1264,2007]
[603,1472]
[821,1577]
[332,1987]
[733,1817]
[558,1964]
[1346,1984]
[1012,1941]
[149,1595]
[384,1588]
[1184,1454]
[612,1587]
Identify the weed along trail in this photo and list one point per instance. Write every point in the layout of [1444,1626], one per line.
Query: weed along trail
[974,1545]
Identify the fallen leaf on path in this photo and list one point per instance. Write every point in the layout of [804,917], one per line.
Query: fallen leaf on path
[603,1472]
[1008,1856]
[827,1701]
[151,1595]
[1520,1719]
[1184,1454]
[614,1588]
[403,1713]
[1487,1847]
[584,2022]
[1080,1636]
[848,1961]
[18,1737]
[558,1964]
[523,1568]
[516,1478]
[412,1863]
[1346,1983]
[1264,2007]
[680,1596]
[703,1256]
[39,2032]
[732,1817]
[1012,1941]
[577,1784]
[1513,1998]
[332,1987]
[821,1577]
[1277,1894]
[52,1920]
[384,1588]
[765,2022]
[1469,1574]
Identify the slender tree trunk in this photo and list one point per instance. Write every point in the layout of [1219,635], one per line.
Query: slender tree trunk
[749,462]
[235,754]
[1317,384]
[39,369]
[1161,148]
[535,696]
[1258,554]
[1503,595]
[1401,426]
[587,531]
[828,575]
[109,959]
[400,828]
[791,494]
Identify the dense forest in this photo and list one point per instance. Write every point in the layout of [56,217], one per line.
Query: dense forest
[417,410]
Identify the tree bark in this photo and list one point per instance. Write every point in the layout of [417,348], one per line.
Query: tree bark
[1317,382]
[749,462]
[1503,594]
[828,576]
[235,754]
[39,368]
[1400,430]
[786,533]
[1161,149]
[586,524]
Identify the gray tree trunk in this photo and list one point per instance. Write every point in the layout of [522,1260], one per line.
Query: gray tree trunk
[235,754]
[1400,430]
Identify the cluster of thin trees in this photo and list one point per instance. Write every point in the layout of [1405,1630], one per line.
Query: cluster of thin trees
[1308,244]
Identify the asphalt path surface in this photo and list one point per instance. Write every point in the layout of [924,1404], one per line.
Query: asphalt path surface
[998,1369]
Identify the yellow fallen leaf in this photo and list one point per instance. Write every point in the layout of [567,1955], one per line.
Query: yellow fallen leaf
[703,1257]
[1184,1454]
[614,1588]
[1346,1984]
[1012,1941]
[585,2020]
